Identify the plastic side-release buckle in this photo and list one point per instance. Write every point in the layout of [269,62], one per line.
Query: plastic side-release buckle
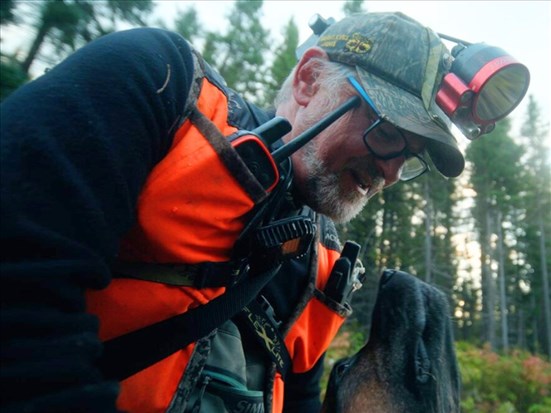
[285,238]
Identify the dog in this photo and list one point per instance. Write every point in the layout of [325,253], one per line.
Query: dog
[409,364]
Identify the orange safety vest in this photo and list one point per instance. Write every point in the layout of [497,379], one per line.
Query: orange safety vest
[191,210]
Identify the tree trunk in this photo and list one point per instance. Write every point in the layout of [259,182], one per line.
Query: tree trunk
[545,284]
[488,298]
[35,47]
[521,337]
[502,290]
[428,233]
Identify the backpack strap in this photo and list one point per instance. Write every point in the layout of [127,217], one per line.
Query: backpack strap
[202,275]
[130,353]
[259,318]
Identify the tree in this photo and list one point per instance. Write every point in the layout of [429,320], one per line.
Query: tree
[352,7]
[187,24]
[496,169]
[6,11]
[436,220]
[239,55]
[12,76]
[538,213]
[67,25]
[284,59]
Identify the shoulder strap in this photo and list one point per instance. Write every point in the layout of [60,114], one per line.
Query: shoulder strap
[259,317]
[201,275]
[130,353]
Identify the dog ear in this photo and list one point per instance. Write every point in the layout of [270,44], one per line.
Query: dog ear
[409,362]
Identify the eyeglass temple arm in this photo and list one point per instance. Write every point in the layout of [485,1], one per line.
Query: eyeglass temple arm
[287,150]
[359,88]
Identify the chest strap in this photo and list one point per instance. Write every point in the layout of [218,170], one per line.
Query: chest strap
[203,275]
[278,241]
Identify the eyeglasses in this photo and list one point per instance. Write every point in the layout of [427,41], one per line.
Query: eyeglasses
[385,141]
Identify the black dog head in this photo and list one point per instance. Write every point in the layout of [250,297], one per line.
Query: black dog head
[409,363]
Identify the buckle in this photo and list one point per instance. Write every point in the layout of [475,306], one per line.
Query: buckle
[285,238]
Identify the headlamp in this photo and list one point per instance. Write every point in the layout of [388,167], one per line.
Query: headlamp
[484,85]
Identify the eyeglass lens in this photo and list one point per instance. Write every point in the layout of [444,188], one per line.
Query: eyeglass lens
[386,141]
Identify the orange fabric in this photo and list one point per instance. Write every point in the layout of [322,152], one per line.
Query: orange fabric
[317,325]
[279,389]
[311,335]
[139,395]
[180,219]
[137,303]
[179,210]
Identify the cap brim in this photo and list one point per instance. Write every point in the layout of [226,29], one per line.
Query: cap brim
[407,111]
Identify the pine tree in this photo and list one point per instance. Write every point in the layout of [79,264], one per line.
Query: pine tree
[284,60]
[239,55]
[538,220]
[188,25]
[60,27]
[496,169]
[352,7]
[67,25]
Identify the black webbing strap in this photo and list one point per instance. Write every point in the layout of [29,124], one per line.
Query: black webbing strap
[128,354]
[259,317]
[202,275]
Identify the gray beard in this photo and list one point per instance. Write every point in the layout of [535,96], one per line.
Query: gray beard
[323,191]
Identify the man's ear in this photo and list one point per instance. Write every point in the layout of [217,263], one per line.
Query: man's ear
[305,84]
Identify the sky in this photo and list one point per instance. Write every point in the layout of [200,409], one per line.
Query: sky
[521,28]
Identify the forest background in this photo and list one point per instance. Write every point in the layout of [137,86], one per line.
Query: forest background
[482,238]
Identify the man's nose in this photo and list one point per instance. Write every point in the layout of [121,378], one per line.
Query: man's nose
[390,169]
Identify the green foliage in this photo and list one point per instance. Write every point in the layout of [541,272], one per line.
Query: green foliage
[352,7]
[284,60]
[497,170]
[516,383]
[187,24]
[12,76]
[6,11]
[65,25]
[239,55]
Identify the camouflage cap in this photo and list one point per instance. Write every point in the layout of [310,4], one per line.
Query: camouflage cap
[399,64]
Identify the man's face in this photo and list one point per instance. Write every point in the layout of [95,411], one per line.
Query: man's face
[335,173]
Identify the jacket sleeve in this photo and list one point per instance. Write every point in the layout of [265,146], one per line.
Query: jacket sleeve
[76,147]
[302,390]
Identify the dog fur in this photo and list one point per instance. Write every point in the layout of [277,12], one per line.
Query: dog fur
[408,364]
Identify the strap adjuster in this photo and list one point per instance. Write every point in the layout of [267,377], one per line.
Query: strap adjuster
[285,238]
